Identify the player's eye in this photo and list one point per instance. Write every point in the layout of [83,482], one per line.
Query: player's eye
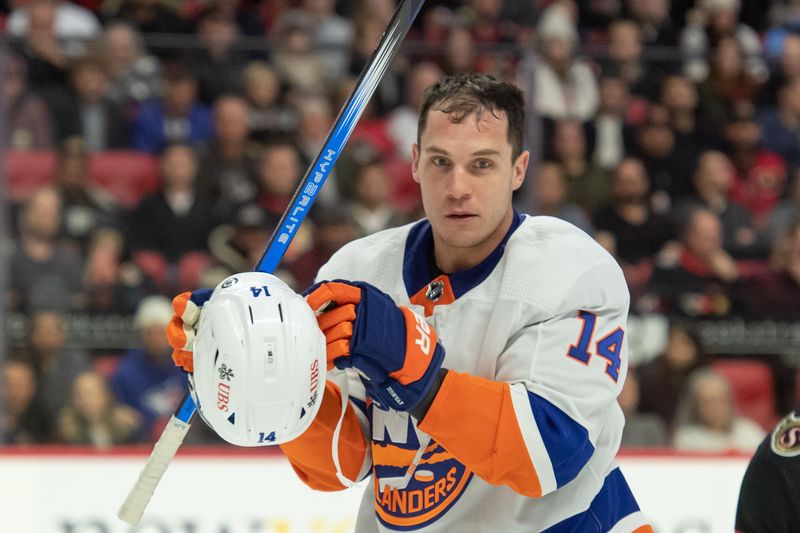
[440,161]
[483,164]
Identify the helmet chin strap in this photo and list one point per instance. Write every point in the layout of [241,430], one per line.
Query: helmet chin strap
[339,377]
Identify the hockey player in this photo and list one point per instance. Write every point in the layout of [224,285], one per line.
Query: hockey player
[485,348]
[769,500]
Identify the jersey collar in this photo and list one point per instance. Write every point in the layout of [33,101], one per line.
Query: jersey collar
[420,274]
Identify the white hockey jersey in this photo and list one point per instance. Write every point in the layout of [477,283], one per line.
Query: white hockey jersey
[523,433]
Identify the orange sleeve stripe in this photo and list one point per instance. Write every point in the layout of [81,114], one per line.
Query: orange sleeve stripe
[473,418]
[643,529]
[310,453]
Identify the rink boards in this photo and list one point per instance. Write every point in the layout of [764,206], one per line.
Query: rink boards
[223,491]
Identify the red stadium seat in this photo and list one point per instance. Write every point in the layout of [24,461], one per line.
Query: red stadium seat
[27,171]
[753,389]
[126,175]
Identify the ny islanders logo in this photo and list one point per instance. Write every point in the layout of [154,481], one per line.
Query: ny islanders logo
[416,479]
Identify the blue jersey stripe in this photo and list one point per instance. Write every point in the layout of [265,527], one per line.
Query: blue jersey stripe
[613,503]
[566,441]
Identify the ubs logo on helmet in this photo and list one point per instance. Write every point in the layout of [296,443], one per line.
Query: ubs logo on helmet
[223,396]
[312,393]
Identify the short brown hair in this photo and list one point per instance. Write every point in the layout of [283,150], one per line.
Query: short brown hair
[460,96]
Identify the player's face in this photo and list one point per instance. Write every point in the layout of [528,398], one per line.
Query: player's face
[467,176]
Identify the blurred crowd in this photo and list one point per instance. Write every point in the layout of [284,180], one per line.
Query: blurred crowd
[669,131]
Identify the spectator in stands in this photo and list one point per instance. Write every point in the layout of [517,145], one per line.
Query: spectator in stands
[696,281]
[663,379]
[316,118]
[93,417]
[30,126]
[786,67]
[333,228]
[402,121]
[295,59]
[23,421]
[565,86]
[610,122]
[713,180]
[134,76]
[655,23]
[641,429]
[44,272]
[369,27]
[47,61]
[101,121]
[760,179]
[217,64]
[712,21]
[780,126]
[145,378]
[73,26]
[693,131]
[488,22]
[228,162]
[707,421]
[625,59]
[56,364]
[628,228]
[267,117]
[85,206]
[776,294]
[148,16]
[169,229]
[668,163]
[371,207]
[459,55]
[111,284]
[175,118]
[587,184]
[370,131]
[728,85]
[550,197]
[279,173]
[786,214]
[333,35]
[238,245]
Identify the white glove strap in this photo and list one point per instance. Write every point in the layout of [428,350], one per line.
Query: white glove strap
[339,377]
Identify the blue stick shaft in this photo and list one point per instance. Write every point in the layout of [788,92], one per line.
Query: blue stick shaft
[320,169]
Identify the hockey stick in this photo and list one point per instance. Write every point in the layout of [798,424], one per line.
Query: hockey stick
[171,438]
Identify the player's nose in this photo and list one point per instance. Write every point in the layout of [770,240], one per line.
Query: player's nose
[457,185]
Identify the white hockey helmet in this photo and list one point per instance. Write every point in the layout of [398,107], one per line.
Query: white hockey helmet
[259,361]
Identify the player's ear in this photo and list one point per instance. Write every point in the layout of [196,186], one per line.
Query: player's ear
[415,162]
[520,168]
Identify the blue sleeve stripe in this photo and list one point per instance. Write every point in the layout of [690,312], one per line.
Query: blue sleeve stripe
[610,506]
[566,441]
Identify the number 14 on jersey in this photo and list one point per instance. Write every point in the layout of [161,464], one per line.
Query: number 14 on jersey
[608,347]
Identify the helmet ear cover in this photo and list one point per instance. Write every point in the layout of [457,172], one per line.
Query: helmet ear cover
[259,361]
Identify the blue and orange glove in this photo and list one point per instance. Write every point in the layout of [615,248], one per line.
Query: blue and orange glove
[182,328]
[395,351]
